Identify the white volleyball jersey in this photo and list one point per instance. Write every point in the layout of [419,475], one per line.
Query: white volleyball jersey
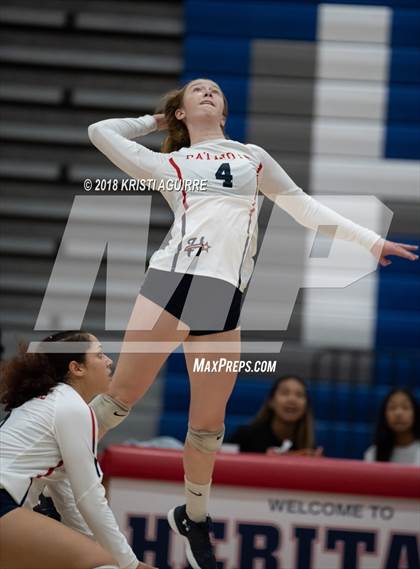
[214,232]
[50,439]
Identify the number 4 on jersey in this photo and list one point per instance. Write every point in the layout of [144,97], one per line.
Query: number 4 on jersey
[223,173]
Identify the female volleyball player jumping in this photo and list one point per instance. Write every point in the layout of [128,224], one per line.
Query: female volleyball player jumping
[50,438]
[193,288]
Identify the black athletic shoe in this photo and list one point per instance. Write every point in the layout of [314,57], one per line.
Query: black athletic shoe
[197,540]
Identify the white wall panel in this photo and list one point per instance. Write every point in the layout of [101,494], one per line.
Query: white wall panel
[387,179]
[350,99]
[341,317]
[363,62]
[348,137]
[351,86]
[353,23]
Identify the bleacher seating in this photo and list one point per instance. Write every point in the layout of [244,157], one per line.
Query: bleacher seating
[32,17]
[398,321]
[64,66]
[345,412]
[47,103]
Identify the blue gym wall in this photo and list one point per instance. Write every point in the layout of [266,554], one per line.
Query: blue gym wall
[256,48]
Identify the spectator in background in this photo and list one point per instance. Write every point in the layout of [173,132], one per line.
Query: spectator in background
[397,437]
[286,415]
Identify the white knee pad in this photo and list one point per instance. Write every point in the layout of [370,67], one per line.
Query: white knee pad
[107,567]
[109,412]
[206,441]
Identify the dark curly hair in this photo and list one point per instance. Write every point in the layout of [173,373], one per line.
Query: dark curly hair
[384,436]
[30,375]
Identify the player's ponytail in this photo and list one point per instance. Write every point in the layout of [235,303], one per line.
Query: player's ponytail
[30,375]
[178,135]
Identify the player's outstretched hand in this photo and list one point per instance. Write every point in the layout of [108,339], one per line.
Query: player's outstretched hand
[161,121]
[382,249]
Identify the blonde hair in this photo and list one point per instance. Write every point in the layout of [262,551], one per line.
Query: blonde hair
[178,135]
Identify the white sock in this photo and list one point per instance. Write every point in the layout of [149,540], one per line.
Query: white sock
[197,496]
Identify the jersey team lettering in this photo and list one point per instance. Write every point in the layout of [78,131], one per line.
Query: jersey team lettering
[222,156]
[137,185]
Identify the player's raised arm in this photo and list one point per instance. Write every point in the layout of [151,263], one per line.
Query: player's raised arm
[277,185]
[114,138]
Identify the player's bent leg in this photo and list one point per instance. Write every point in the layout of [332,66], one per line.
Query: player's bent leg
[34,541]
[152,335]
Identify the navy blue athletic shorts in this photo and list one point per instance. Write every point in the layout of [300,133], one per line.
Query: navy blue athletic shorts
[205,304]
[7,503]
